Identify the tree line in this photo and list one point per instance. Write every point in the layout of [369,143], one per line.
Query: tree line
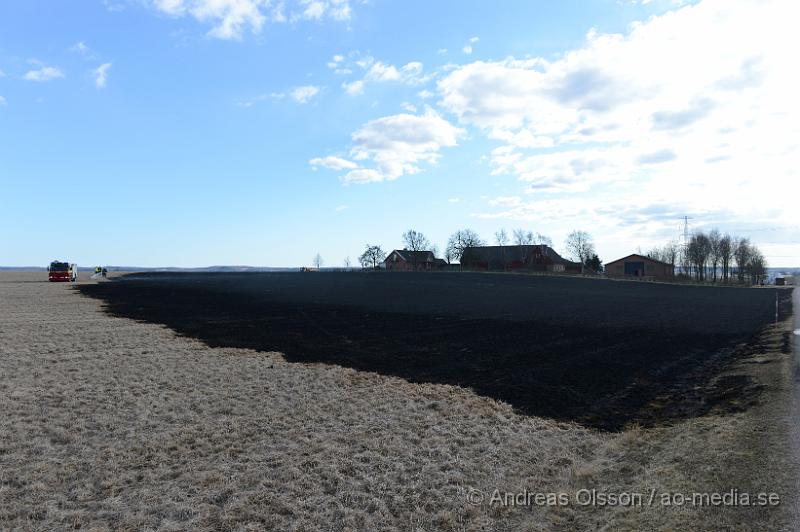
[579,246]
[714,257]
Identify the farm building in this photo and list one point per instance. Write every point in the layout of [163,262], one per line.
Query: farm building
[507,258]
[642,267]
[405,260]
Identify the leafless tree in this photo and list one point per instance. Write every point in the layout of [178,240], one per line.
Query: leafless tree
[523,237]
[725,256]
[544,240]
[501,237]
[714,240]
[742,253]
[318,261]
[415,241]
[757,266]
[435,250]
[670,253]
[347,263]
[580,246]
[461,240]
[372,256]
[699,250]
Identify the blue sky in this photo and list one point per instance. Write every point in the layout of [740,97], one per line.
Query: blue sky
[200,132]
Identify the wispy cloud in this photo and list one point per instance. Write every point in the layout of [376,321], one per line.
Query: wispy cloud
[304,94]
[45,73]
[101,75]
[332,163]
[82,49]
[229,19]
[467,48]
[411,73]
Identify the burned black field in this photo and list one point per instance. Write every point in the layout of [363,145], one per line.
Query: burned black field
[598,352]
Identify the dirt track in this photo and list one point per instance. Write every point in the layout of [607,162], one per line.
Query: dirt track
[602,353]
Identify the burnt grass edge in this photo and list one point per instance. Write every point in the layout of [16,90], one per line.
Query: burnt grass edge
[600,377]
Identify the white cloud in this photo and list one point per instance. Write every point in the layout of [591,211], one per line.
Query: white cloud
[397,144]
[318,9]
[695,109]
[101,75]
[681,100]
[425,94]
[354,88]
[44,73]
[3,101]
[304,94]
[467,49]
[332,163]
[82,49]
[453,200]
[2,74]
[340,208]
[410,107]
[378,72]
[230,18]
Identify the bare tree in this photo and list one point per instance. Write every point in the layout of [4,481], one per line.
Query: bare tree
[501,237]
[742,253]
[523,238]
[461,240]
[415,241]
[544,240]
[670,253]
[725,256]
[372,256]
[757,266]
[714,240]
[347,263]
[580,246]
[699,250]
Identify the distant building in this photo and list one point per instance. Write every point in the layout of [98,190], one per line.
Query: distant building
[407,261]
[639,266]
[508,258]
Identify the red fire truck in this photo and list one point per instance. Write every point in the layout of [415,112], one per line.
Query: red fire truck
[62,271]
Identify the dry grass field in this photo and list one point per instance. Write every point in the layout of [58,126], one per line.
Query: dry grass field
[112,424]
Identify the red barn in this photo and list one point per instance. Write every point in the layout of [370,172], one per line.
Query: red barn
[641,267]
[407,261]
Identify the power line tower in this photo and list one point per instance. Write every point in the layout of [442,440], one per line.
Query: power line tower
[686,230]
[686,235]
